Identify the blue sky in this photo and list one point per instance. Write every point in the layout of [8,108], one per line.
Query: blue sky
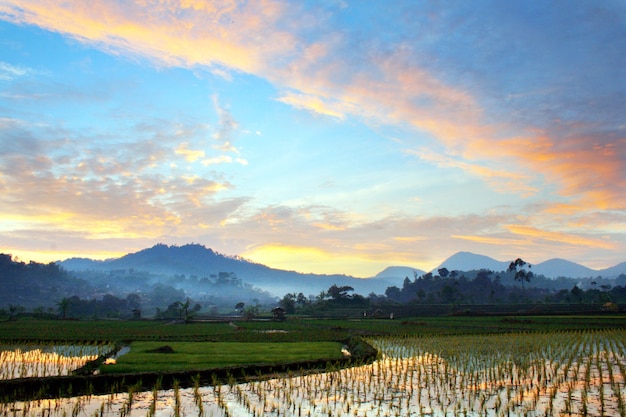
[329,137]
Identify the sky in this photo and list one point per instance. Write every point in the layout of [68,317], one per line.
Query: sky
[317,136]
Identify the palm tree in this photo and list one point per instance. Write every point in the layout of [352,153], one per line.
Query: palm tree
[186,312]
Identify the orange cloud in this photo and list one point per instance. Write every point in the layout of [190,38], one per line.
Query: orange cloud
[568,238]
[174,33]
[491,240]
[409,239]
[329,226]
[314,104]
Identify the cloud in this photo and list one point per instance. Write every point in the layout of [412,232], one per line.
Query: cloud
[364,244]
[190,155]
[503,180]
[567,238]
[170,33]
[531,106]
[227,125]
[500,241]
[217,160]
[116,190]
[10,72]
[314,104]
[334,73]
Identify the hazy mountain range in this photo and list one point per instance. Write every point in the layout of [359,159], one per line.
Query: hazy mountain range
[552,268]
[197,260]
[200,261]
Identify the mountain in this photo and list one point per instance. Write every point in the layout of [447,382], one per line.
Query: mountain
[554,268]
[395,274]
[203,262]
[80,264]
[466,261]
[197,260]
[614,271]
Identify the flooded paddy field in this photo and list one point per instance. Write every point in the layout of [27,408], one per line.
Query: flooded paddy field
[43,360]
[514,374]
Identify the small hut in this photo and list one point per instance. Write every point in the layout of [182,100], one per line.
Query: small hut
[278,314]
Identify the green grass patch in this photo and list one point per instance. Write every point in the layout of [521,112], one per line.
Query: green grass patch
[295,329]
[210,355]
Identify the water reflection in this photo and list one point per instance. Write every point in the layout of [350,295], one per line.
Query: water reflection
[25,361]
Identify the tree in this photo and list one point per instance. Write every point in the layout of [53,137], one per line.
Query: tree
[187,313]
[443,272]
[339,293]
[577,293]
[521,273]
[14,311]
[133,301]
[448,294]
[406,283]
[288,303]
[64,304]
[240,306]
[251,312]
[302,300]
[393,293]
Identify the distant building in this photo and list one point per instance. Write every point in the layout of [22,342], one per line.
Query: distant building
[278,314]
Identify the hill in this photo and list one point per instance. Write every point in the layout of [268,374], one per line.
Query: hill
[466,261]
[554,268]
[614,271]
[396,274]
[197,260]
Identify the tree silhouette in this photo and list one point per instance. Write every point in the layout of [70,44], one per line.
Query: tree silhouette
[521,273]
[64,304]
[14,311]
[339,293]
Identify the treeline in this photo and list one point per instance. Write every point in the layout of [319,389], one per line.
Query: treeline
[485,287]
[29,283]
[505,287]
[109,306]
[455,288]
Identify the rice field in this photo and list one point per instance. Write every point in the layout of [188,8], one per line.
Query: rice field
[25,361]
[569,373]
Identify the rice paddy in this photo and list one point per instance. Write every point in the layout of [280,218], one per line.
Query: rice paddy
[24,361]
[563,373]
